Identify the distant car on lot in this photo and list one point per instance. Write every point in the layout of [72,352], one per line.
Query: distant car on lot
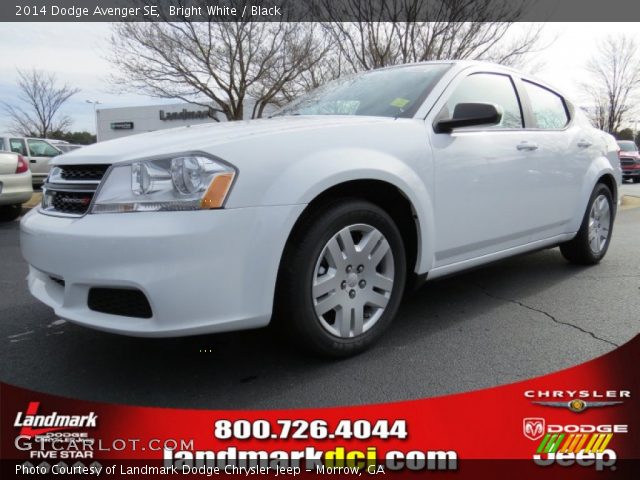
[319,216]
[67,147]
[15,185]
[37,151]
[629,160]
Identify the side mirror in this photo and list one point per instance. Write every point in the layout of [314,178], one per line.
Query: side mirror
[469,115]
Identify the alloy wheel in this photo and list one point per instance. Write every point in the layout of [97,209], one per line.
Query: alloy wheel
[599,224]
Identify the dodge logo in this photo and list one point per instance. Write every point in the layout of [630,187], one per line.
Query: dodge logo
[76,201]
[533,428]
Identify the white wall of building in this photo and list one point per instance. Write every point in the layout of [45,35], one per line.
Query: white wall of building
[115,122]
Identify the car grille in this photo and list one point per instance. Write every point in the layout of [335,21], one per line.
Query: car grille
[627,162]
[83,172]
[69,189]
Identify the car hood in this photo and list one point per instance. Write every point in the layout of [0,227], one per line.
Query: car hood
[206,137]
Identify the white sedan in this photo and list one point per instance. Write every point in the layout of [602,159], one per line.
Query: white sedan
[15,185]
[319,217]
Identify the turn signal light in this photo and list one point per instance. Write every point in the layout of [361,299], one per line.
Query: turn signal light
[217,192]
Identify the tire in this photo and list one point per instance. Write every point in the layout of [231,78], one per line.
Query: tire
[636,179]
[9,213]
[311,264]
[583,251]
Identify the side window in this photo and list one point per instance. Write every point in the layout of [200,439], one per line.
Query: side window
[1,144]
[39,148]
[488,88]
[17,145]
[549,109]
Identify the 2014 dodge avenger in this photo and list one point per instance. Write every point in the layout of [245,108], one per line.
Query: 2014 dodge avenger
[320,216]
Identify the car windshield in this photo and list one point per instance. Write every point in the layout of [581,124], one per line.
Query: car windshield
[628,146]
[396,92]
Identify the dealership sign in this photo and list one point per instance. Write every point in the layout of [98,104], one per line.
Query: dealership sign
[185,114]
[121,125]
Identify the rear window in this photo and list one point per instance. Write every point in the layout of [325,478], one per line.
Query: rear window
[17,145]
[549,109]
[1,144]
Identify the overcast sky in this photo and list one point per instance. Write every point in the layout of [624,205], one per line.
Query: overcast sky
[76,51]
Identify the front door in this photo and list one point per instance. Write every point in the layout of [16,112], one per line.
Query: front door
[487,184]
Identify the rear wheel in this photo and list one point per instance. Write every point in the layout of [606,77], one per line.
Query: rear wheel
[591,243]
[9,213]
[342,278]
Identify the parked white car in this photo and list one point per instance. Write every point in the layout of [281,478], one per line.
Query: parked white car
[15,185]
[63,145]
[68,147]
[37,151]
[319,216]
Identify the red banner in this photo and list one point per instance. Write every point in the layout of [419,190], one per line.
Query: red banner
[581,422]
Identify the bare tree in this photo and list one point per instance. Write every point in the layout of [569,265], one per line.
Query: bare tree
[227,63]
[598,110]
[615,70]
[41,99]
[404,31]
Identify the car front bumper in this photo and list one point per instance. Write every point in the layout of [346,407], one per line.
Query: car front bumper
[631,173]
[201,271]
[15,188]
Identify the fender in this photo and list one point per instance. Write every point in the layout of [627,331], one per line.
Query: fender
[304,180]
[599,167]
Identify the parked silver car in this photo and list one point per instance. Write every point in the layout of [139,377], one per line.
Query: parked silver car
[37,151]
[15,185]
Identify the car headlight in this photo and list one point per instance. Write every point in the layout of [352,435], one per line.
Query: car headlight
[179,182]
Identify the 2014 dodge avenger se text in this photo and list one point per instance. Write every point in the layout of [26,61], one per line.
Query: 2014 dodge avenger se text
[321,215]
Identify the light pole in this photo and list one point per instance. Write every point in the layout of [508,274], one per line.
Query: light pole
[95,103]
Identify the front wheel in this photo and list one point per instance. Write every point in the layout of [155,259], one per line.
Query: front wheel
[591,243]
[342,278]
[8,213]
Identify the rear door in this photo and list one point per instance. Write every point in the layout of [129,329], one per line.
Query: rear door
[563,154]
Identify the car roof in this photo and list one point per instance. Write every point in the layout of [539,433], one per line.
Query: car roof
[7,135]
[458,63]
[461,65]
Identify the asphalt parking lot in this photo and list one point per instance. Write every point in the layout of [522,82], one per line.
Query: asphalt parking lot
[509,321]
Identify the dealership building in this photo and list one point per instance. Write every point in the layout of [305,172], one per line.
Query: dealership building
[121,122]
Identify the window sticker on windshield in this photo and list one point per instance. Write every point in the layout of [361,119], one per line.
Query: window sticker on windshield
[399,102]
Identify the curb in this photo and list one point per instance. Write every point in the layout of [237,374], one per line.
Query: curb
[629,202]
[35,200]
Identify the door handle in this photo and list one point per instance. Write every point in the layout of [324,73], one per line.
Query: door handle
[584,144]
[32,161]
[527,146]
